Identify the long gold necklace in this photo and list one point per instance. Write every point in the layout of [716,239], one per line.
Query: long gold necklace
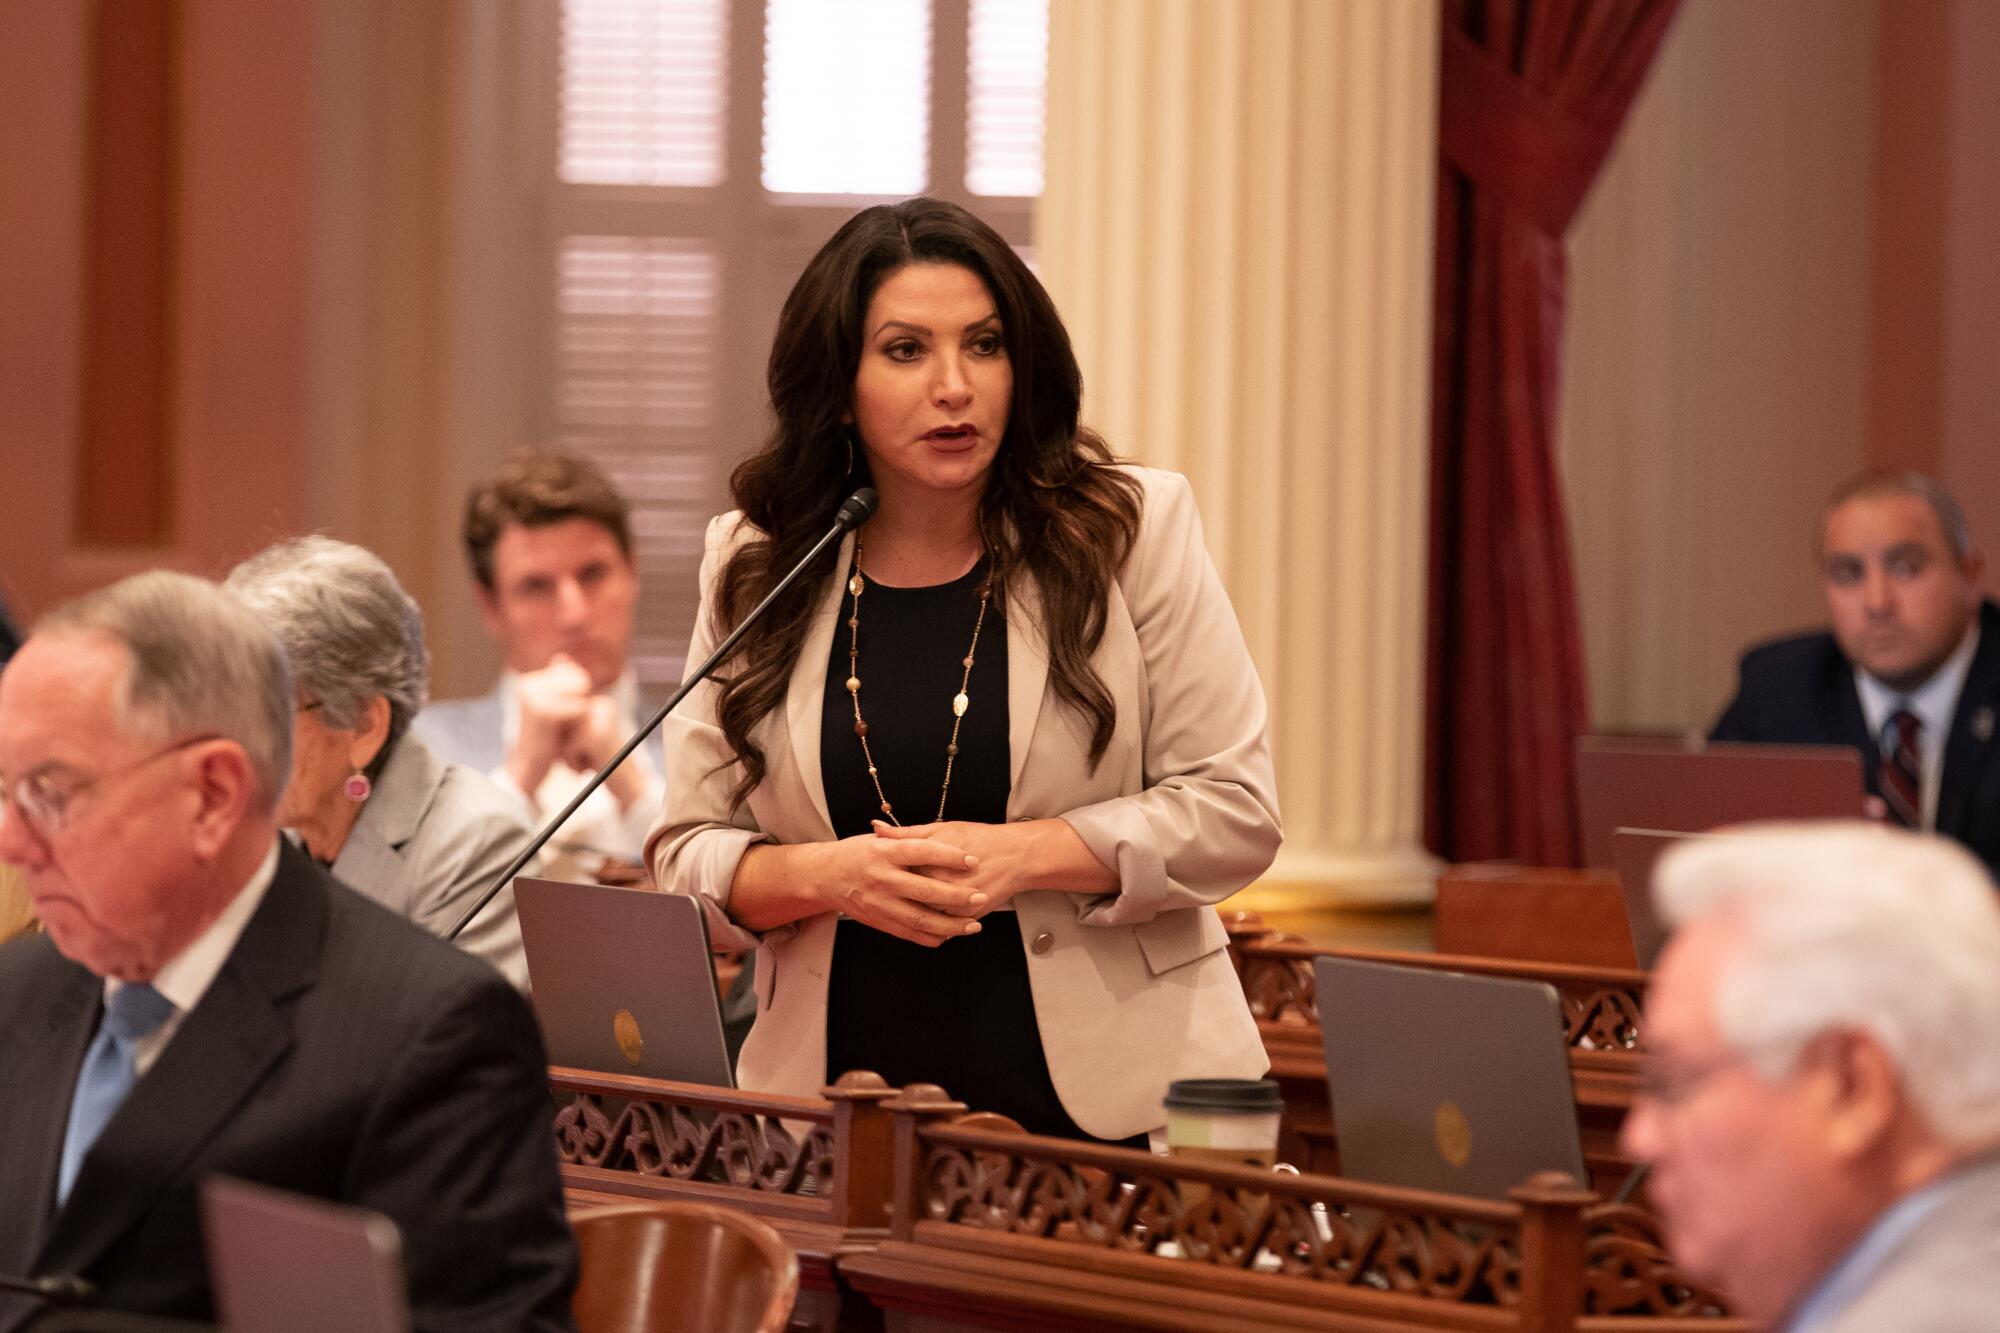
[961,701]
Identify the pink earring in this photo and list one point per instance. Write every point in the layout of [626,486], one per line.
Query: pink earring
[357,787]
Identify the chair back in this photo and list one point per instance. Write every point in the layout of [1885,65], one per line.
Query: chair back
[671,1267]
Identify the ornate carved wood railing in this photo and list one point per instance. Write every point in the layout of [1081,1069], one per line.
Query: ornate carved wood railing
[991,1227]
[1603,1023]
[1602,1007]
[818,1169]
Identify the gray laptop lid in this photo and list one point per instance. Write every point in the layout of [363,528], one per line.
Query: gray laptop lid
[283,1263]
[1446,1081]
[622,981]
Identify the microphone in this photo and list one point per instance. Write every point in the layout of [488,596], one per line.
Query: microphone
[56,1289]
[854,511]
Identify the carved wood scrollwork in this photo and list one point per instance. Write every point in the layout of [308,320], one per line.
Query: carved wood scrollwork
[1597,1016]
[1421,1254]
[1280,990]
[1627,1270]
[1601,1018]
[653,1138]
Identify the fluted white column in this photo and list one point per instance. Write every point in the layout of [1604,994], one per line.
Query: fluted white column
[1237,226]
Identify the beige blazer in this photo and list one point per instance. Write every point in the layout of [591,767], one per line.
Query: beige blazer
[1132,989]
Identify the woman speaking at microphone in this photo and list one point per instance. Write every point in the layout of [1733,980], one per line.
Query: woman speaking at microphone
[974,783]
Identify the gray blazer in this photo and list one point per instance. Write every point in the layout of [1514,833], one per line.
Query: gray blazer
[428,842]
[1945,1276]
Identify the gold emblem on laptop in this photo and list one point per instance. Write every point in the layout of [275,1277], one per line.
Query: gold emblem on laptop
[625,1031]
[1453,1133]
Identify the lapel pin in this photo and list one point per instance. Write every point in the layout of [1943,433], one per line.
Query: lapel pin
[1982,724]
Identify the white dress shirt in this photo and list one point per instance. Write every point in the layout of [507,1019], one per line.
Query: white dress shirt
[1934,703]
[186,977]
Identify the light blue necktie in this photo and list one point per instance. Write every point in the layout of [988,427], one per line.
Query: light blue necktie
[131,1015]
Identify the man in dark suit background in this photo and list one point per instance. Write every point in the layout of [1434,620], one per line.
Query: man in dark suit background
[1909,671]
[206,1000]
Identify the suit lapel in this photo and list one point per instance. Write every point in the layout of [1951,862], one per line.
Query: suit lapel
[1844,719]
[805,697]
[403,795]
[41,1052]
[222,1050]
[1027,673]
[1970,748]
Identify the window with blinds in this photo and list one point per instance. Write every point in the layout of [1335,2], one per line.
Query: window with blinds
[642,85]
[1007,88]
[676,228]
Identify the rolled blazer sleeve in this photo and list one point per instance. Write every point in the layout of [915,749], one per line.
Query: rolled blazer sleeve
[698,841]
[1206,821]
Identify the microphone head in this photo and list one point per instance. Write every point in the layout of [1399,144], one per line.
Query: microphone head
[855,510]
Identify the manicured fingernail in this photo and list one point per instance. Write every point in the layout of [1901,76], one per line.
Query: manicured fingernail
[971,861]
[977,899]
[972,927]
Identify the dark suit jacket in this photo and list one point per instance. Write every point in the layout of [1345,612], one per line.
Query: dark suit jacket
[1801,691]
[340,1052]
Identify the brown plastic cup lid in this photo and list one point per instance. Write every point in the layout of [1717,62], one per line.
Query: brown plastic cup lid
[1225,1096]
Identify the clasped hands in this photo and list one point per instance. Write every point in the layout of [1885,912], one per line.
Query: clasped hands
[928,883]
[562,719]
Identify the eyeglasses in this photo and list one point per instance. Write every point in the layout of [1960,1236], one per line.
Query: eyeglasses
[1669,1083]
[44,801]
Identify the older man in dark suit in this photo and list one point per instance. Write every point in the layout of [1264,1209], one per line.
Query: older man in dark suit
[206,1000]
[1909,672]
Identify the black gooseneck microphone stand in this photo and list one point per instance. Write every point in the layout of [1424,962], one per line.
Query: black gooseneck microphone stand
[854,511]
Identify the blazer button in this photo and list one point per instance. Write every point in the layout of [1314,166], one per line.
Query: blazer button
[1043,943]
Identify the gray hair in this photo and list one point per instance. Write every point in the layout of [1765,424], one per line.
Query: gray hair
[351,631]
[201,662]
[1880,485]
[1859,927]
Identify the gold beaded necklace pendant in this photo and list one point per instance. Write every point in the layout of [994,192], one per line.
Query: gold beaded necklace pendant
[960,702]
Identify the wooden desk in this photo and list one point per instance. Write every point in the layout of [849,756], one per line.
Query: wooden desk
[817,1169]
[1533,914]
[996,1229]
[1603,1023]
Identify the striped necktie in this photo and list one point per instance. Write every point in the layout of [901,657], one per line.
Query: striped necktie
[110,1068]
[1902,773]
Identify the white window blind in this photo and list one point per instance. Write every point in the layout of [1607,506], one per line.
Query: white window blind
[635,380]
[1006,91]
[642,87]
[847,96]
[674,234]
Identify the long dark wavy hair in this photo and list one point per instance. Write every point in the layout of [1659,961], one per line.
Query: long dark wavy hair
[1054,505]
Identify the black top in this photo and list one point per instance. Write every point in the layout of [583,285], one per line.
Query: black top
[960,1015]
[912,644]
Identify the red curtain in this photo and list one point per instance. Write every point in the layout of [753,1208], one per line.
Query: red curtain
[1532,93]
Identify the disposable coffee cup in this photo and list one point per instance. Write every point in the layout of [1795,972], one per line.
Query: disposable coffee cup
[1223,1120]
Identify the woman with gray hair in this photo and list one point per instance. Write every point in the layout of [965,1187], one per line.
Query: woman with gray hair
[366,797]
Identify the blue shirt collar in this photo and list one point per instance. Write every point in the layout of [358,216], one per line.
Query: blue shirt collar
[1846,1280]
[1933,702]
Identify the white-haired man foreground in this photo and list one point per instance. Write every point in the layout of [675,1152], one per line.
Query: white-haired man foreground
[1822,1105]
